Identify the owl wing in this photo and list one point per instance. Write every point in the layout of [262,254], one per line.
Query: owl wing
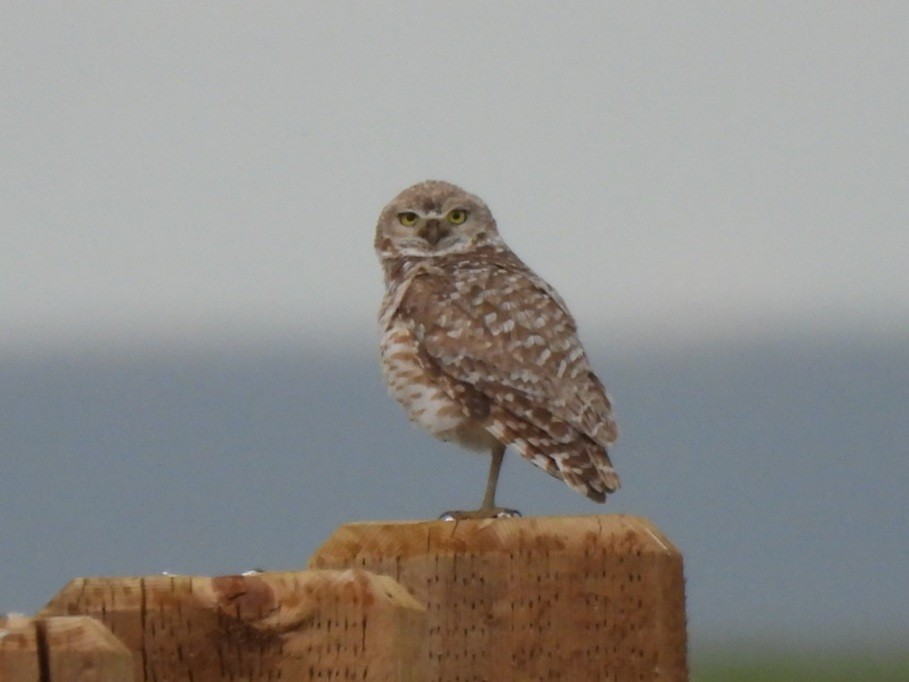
[501,329]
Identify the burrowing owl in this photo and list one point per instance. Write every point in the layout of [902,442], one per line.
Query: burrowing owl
[478,349]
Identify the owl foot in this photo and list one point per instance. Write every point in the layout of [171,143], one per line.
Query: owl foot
[488,513]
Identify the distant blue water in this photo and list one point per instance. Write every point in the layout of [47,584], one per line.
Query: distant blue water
[781,470]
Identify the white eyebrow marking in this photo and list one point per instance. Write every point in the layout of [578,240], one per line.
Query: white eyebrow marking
[420,213]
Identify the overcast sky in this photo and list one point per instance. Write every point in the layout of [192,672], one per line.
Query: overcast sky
[192,173]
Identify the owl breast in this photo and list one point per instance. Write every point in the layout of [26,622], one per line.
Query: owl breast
[425,393]
[411,382]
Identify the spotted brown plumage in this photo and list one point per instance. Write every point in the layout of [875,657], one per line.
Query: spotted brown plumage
[478,349]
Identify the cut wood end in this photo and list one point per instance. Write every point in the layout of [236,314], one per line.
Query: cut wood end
[622,533]
[75,633]
[253,597]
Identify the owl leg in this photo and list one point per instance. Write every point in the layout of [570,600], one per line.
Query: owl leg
[492,481]
[488,509]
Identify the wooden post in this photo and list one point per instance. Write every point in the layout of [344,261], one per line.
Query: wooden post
[304,625]
[548,598]
[68,649]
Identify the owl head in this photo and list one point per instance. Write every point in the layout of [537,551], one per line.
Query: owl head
[434,218]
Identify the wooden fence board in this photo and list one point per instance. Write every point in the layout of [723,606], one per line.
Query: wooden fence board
[304,625]
[540,598]
[61,649]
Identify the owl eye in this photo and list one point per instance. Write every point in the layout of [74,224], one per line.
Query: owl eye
[407,218]
[456,216]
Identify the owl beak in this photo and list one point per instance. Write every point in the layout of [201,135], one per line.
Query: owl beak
[433,231]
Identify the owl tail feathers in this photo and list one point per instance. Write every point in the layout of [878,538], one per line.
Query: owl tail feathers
[608,474]
[590,473]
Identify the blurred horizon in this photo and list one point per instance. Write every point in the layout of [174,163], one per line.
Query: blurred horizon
[724,448]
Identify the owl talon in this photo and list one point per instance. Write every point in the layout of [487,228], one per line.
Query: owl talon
[491,513]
